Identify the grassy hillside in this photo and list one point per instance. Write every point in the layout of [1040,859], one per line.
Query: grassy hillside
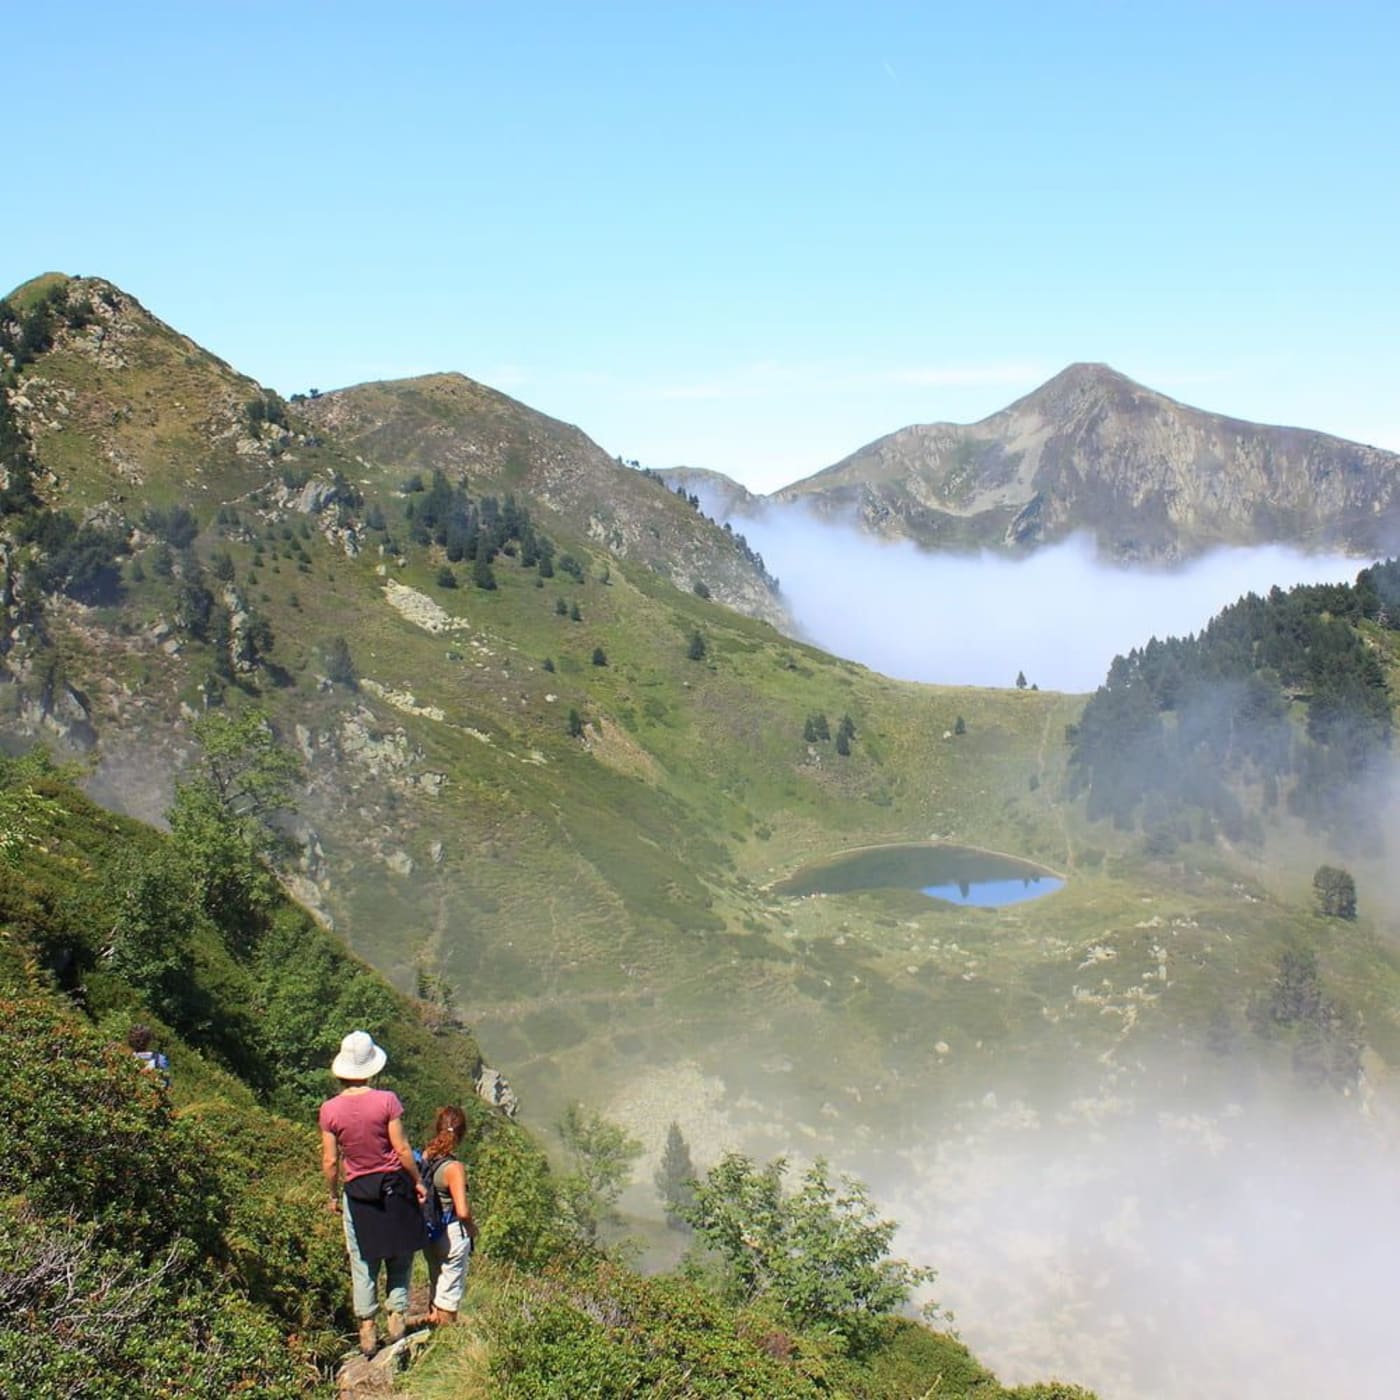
[539,793]
[175,1241]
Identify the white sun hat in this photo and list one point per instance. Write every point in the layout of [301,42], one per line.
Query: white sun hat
[359,1058]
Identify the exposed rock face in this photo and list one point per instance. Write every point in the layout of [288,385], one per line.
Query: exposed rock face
[1150,478]
[491,1085]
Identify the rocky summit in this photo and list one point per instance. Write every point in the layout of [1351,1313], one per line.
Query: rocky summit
[1091,451]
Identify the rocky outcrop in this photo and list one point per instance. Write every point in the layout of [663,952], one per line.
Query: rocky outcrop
[491,1085]
[1149,478]
[59,713]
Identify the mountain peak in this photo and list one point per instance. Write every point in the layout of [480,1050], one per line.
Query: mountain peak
[1086,376]
[1093,372]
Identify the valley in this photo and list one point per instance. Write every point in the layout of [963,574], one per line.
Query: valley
[559,764]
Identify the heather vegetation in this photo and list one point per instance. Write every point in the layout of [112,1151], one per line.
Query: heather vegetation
[171,1239]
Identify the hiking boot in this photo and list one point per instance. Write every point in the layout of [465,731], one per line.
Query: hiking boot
[369,1337]
[398,1325]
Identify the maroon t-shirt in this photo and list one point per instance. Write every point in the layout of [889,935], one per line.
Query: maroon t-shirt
[360,1123]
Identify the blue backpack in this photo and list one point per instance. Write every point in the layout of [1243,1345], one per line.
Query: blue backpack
[436,1216]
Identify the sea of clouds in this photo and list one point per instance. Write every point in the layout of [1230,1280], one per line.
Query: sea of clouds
[1059,615]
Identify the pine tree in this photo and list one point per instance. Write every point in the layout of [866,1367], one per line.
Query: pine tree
[845,732]
[696,650]
[675,1177]
[340,665]
[1335,890]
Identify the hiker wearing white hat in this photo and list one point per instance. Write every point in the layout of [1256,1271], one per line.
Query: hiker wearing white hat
[373,1183]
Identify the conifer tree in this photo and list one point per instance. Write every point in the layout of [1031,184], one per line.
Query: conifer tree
[675,1177]
[1335,890]
[340,665]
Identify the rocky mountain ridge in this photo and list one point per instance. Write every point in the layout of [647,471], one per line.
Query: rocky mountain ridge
[1148,478]
[447,422]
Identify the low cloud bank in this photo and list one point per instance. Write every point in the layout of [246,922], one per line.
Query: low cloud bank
[1241,1255]
[1060,616]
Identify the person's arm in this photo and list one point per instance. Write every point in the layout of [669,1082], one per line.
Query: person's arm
[454,1176]
[330,1167]
[399,1143]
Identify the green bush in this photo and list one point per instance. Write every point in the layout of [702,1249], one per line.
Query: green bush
[88,1132]
[81,1316]
[819,1253]
[514,1199]
[607,1333]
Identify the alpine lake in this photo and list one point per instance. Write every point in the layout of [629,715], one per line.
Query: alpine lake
[955,874]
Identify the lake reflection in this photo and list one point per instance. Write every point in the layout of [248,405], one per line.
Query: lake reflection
[992,894]
[954,874]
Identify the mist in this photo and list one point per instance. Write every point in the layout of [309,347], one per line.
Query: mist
[1162,1251]
[1060,615]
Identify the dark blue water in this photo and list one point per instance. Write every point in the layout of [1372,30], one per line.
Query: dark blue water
[954,874]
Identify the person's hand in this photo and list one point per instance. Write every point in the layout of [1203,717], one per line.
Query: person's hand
[334,1206]
[422,1192]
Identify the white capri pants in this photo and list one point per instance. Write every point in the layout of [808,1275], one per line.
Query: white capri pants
[449,1258]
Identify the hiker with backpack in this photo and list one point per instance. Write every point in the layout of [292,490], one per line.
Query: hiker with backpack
[374,1185]
[138,1040]
[451,1229]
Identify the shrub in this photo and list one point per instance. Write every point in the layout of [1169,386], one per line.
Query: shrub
[608,1333]
[514,1199]
[820,1253]
[81,1316]
[88,1132]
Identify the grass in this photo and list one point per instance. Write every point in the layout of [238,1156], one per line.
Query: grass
[603,905]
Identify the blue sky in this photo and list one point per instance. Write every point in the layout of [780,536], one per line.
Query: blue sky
[748,237]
